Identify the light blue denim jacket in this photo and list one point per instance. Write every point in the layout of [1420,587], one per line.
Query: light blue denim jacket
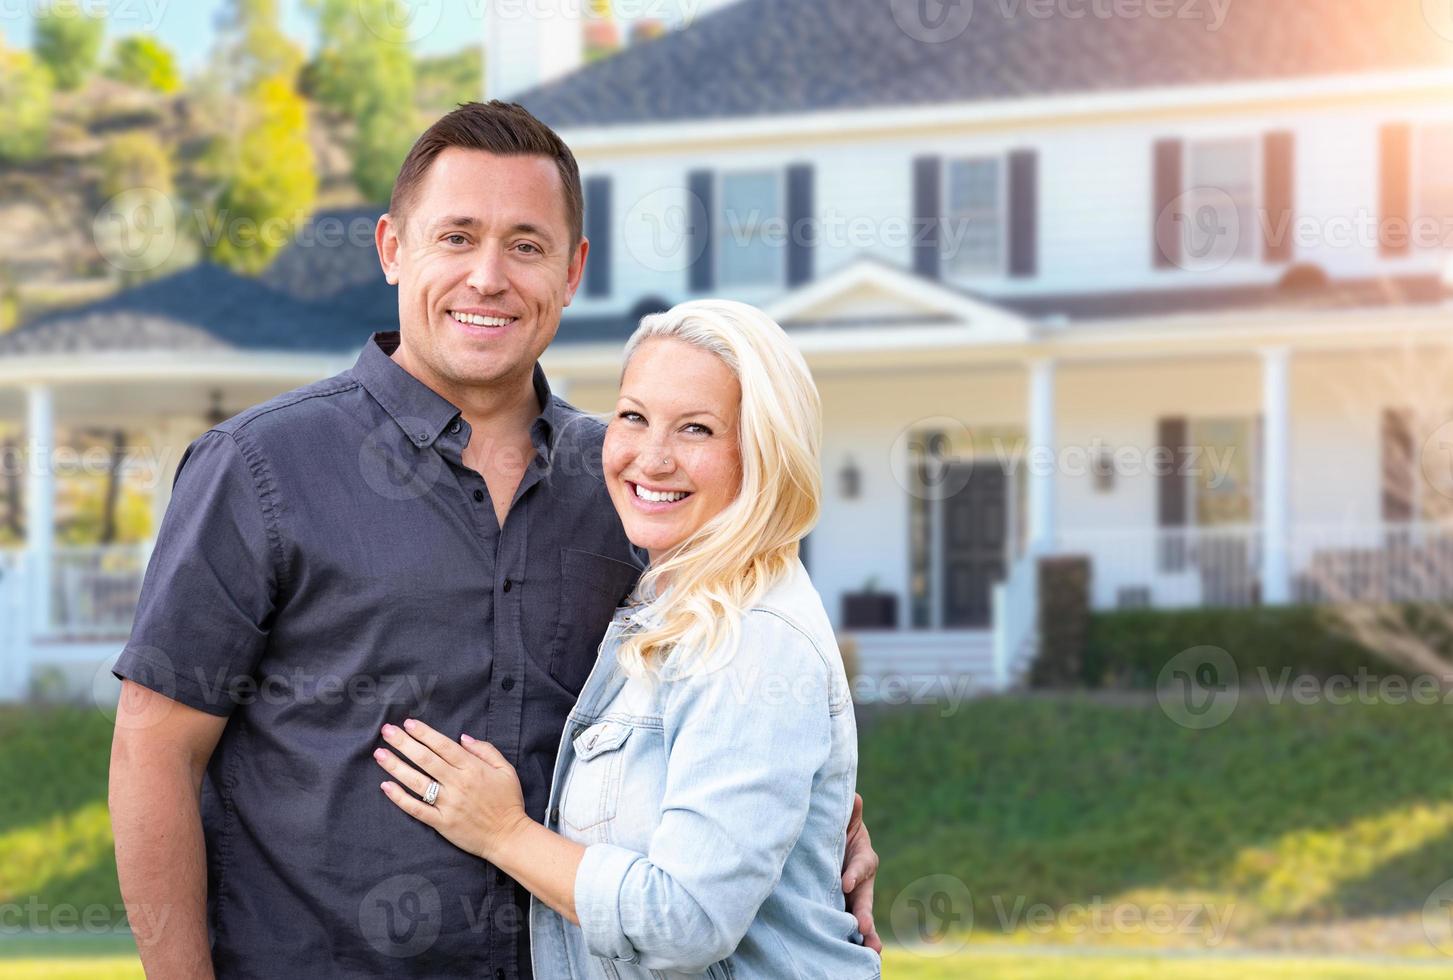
[714,809]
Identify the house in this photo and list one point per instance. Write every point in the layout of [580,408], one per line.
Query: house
[1164,288]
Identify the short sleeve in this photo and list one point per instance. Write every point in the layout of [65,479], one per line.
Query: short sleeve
[210,587]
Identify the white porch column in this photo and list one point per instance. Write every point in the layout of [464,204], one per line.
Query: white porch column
[1043,457]
[1276,472]
[40,502]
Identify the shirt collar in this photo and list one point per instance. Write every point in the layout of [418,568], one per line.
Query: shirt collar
[421,411]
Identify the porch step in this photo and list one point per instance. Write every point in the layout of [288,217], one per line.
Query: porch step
[964,658]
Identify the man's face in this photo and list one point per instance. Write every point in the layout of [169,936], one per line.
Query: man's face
[484,263]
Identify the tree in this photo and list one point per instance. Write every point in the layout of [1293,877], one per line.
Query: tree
[252,47]
[134,160]
[266,166]
[68,40]
[25,107]
[364,71]
[273,181]
[145,63]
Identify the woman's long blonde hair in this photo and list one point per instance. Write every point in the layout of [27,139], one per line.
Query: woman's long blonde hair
[723,568]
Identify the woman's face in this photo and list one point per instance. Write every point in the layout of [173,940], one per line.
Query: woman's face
[672,459]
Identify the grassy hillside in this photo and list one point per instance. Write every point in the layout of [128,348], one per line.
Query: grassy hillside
[1320,829]
[1300,825]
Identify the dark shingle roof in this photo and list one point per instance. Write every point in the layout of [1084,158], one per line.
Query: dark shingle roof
[203,308]
[769,57]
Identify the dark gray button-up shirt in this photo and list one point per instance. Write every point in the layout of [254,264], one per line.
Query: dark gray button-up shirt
[329,564]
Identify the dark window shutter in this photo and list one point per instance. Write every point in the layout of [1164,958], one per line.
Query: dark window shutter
[801,231]
[1023,213]
[1395,174]
[1172,508]
[1398,466]
[597,229]
[701,210]
[1171,484]
[927,215]
[1278,197]
[1165,229]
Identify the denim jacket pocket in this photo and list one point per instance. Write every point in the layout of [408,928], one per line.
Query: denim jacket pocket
[593,786]
[591,587]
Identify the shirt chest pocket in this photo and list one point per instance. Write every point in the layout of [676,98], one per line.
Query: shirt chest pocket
[592,789]
[591,587]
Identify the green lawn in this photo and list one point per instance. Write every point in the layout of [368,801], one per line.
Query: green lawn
[1032,821]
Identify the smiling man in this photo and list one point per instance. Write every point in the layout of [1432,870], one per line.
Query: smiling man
[433,513]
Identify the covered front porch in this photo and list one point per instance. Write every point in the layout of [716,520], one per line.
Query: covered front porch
[91,447]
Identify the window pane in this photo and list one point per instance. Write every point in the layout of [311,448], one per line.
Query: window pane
[1220,216]
[749,228]
[973,230]
[1224,477]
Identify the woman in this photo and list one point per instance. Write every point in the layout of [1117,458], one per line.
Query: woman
[705,777]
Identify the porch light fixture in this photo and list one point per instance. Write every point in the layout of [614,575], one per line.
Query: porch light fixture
[850,480]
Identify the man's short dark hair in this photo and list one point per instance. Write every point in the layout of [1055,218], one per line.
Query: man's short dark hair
[503,128]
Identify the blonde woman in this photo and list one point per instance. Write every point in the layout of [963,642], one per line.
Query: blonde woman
[698,808]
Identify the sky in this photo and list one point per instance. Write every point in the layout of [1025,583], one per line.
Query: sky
[186,26]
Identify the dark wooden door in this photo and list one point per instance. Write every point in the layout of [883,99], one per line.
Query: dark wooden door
[973,529]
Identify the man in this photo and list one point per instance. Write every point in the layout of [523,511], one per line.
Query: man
[426,534]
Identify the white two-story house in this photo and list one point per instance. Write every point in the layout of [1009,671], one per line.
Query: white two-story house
[1161,285]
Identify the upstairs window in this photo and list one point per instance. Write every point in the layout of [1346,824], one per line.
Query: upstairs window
[1220,222]
[750,228]
[972,236]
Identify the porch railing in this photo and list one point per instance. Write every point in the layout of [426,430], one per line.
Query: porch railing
[1384,562]
[1169,567]
[1016,627]
[94,591]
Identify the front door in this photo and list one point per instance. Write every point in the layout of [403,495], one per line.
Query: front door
[973,529]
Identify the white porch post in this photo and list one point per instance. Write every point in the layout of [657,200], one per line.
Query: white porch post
[1275,481]
[1043,457]
[40,502]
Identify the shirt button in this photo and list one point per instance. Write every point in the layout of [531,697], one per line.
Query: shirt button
[499,974]
[479,496]
[508,585]
[499,876]
[507,683]
[454,429]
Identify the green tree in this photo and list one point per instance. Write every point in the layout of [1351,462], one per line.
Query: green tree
[272,185]
[25,106]
[365,71]
[145,63]
[68,40]
[266,168]
[251,46]
[134,160]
